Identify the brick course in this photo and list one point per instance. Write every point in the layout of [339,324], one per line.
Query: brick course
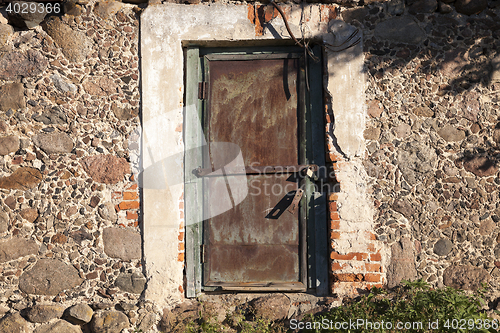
[362,269]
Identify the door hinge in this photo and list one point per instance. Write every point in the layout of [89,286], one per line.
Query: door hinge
[202,90]
[202,253]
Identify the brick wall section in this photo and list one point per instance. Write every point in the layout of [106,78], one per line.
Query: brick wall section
[181,230]
[349,270]
[181,233]
[128,204]
[347,267]
[181,238]
[260,14]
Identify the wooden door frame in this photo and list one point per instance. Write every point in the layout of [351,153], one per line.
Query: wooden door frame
[313,259]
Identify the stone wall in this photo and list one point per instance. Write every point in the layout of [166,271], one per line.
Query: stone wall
[426,169]
[432,137]
[70,211]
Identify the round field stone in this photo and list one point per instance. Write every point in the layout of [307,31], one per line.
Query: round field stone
[443,247]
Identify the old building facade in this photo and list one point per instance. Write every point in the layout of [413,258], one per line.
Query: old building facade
[100,109]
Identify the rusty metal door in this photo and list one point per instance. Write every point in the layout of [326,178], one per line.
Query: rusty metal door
[254,102]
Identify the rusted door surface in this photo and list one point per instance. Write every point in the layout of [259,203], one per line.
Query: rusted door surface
[253,102]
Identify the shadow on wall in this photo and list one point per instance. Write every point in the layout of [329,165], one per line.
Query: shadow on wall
[482,161]
[467,31]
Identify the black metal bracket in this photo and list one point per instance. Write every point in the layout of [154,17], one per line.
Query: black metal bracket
[254,170]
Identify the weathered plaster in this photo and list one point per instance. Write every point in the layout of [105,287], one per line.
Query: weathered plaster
[346,85]
[164,29]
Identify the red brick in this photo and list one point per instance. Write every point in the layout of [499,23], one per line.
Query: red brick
[130,195]
[129,205]
[327,13]
[372,267]
[334,157]
[371,286]
[334,225]
[333,12]
[181,246]
[181,236]
[348,277]
[349,256]
[181,289]
[116,195]
[332,206]
[251,13]
[322,11]
[335,235]
[180,257]
[376,257]
[259,29]
[132,216]
[181,205]
[370,277]
[132,187]
[270,13]
[337,266]
[117,208]
[371,247]
[334,216]
[371,235]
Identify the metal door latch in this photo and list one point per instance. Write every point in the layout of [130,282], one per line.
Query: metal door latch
[296,200]
[259,170]
[310,173]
